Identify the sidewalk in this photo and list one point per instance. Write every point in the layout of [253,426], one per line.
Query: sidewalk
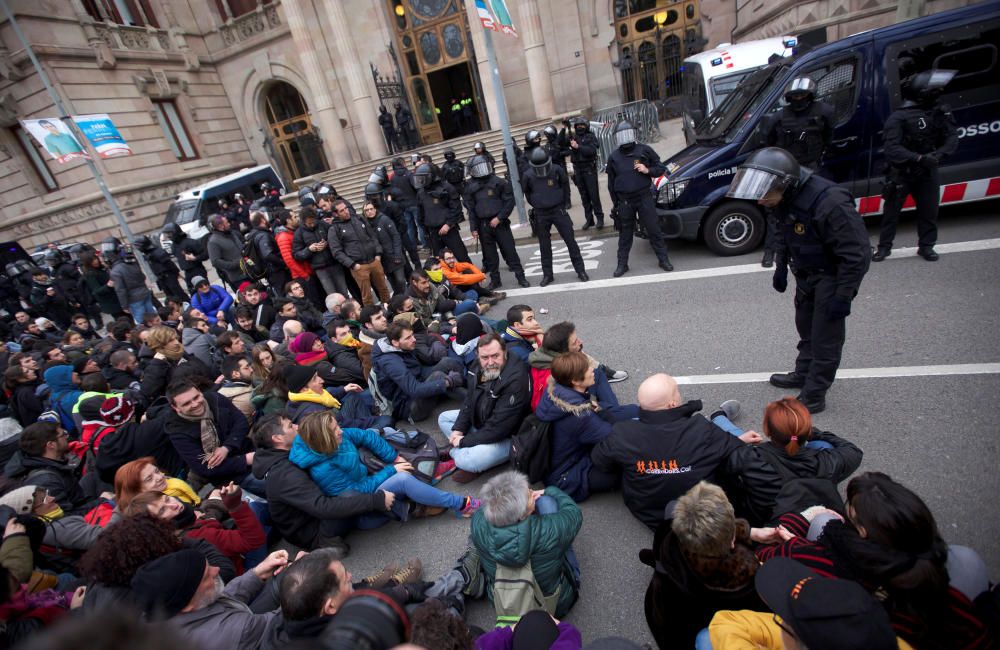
[671,141]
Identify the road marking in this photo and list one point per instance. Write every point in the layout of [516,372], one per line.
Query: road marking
[736,269]
[561,263]
[855,373]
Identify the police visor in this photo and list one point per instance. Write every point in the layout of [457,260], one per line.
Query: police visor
[480,168]
[626,136]
[755,184]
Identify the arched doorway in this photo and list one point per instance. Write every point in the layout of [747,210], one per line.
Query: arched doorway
[653,37]
[438,64]
[290,132]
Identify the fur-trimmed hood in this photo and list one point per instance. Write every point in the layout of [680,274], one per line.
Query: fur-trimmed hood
[564,401]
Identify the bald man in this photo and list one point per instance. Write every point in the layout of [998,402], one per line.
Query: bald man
[669,449]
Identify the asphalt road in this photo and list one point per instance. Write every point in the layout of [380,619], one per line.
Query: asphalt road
[918,389]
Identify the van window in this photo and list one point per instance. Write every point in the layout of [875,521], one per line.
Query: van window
[836,84]
[722,86]
[971,50]
[694,88]
[182,212]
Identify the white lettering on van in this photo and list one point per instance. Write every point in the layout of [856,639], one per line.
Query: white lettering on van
[983,128]
[728,171]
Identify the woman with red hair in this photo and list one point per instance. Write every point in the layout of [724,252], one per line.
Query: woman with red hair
[142,475]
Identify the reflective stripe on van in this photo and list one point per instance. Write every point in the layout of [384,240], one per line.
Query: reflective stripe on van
[965,192]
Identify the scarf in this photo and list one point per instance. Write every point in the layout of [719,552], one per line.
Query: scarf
[350,342]
[324,398]
[210,440]
[461,349]
[310,358]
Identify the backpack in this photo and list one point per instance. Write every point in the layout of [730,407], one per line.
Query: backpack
[531,449]
[420,450]
[798,493]
[516,592]
[251,262]
[66,420]
[382,403]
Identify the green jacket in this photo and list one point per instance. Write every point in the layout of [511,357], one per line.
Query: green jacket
[543,540]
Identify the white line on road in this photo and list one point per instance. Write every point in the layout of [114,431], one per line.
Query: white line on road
[856,373]
[736,269]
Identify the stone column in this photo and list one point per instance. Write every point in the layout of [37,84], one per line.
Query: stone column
[365,107]
[530,30]
[479,43]
[326,115]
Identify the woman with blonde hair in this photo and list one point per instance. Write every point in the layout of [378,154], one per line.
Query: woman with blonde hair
[332,457]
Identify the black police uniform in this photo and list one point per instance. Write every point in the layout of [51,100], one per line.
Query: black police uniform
[454,172]
[486,198]
[388,129]
[442,205]
[404,123]
[916,138]
[633,197]
[584,159]
[163,267]
[548,196]
[823,239]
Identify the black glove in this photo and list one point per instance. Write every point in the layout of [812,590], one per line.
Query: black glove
[930,160]
[780,279]
[838,308]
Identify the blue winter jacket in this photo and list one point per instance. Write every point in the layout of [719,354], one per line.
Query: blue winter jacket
[576,428]
[399,380]
[343,470]
[60,382]
[211,303]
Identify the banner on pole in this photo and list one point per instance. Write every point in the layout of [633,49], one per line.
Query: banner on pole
[495,16]
[103,135]
[56,138]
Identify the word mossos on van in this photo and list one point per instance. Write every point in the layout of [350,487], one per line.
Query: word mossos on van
[983,128]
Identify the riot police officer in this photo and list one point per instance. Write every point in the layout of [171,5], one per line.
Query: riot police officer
[479,149]
[822,237]
[553,146]
[404,123]
[272,197]
[803,128]
[453,170]
[490,200]
[631,168]
[546,188]
[163,268]
[584,148]
[442,209]
[388,129]
[532,141]
[918,135]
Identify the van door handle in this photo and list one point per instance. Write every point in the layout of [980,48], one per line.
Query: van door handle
[844,142]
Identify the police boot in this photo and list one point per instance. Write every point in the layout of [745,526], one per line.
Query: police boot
[522,281]
[881,253]
[928,253]
[621,270]
[666,265]
[813,403]
[546,281]
[768,260]
[495,283]
[589,223]
[788,380]
[600,222]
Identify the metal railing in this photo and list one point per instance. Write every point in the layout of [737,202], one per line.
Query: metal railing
[641,114]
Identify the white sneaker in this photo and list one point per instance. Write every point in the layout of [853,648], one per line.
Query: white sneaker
[617,376]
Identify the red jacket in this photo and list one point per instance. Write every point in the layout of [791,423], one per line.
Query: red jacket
[300,270]
[249,534]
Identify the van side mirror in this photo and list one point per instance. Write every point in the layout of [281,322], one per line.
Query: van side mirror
[697,115]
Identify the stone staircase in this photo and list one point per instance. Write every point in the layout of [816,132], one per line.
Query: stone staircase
[350,181]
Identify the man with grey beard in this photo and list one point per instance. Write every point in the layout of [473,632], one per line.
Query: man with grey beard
[498,397]
[184,588]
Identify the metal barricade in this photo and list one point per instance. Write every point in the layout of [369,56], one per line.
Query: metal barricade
[641,114]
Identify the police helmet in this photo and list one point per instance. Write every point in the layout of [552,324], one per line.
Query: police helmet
[540,161]
[19,267]
[928,85]
[144,243]
[266,187]
[801,92]
[580,125]
[374,191]
[480,167]
[79,248]
[127,253]
[625,134]
[550,133]
[479,147]
[306,193]
[422,176]
[532,138]
[449,154]
[414,158]
[379,175]
[110,247]
[54,257]
[766,170]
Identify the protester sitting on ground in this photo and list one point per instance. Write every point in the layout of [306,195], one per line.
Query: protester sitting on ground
[170,362]
[272,394]
[536,629]
[373,327]
[43,460]
[429,300]
[122,372]
[202,522]
[305,311]
[230,343]
[143,475]
[466,276]
[523,333]
[815,613]
[287,312]
[352,404]
[505,532]
[262,360]
[670,449]
[236,386]
[331,456]
[429,347]
[412,388]
[299,510]
[209,434]
[212,300]
[563,337]
[199,343]
[310,352]
[289,330]
[467,300]
[246,328]
[21,383]
[73,346]
[468,328]
[704,561]
[183,587]
[497,398]
[891,544]
[342,349]
[263,311]
[333,304]
[578,423]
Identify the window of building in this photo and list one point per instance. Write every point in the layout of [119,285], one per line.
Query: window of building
[35,157]
[123,12]
[174,129]
[235,8]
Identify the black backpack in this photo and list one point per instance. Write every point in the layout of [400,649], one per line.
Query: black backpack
[531,449]
[420,450]
[798,493]
[251,262]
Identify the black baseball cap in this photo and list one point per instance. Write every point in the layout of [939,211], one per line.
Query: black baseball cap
[824,613]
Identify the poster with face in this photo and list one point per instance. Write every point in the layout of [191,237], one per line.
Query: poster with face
[56,138]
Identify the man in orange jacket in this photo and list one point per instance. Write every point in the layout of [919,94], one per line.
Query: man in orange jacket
[466,276]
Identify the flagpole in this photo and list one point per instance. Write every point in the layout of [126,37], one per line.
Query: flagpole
[71,125]
[508,140]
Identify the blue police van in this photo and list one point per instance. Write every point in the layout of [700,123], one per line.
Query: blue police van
[859,77]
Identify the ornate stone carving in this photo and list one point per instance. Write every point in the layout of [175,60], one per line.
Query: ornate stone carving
[9,110]
[249,25]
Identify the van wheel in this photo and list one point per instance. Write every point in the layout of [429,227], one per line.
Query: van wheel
[734,228]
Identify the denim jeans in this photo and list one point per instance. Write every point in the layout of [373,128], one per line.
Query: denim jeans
[478,458]
[413,225]
[546,505]
[703,641]
[405,485]
[141,308]
[466,306]
[726,425]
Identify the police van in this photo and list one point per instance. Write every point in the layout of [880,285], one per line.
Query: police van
[859,77]
[709,76]
[192,207]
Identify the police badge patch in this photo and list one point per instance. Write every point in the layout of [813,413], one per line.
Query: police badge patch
[551,182]
[800,229]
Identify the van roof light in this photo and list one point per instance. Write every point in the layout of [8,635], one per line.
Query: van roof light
[790,42]
[717,61]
